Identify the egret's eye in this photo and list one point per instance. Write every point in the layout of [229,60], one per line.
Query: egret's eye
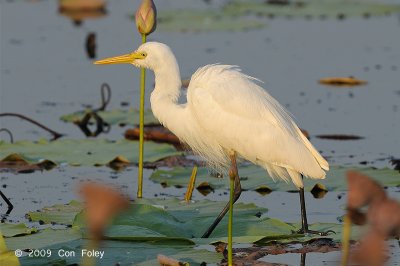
[144,54]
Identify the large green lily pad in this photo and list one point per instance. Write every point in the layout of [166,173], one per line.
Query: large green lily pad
[115,117]
[254,177]
[86,152]
[43,238]
[171,221]
[125,253]
[163,226]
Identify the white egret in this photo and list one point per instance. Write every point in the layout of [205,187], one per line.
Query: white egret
[228,115]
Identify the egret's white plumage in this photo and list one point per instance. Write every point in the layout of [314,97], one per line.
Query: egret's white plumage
[227,111]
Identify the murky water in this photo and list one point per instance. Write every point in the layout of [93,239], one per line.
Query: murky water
[45,73]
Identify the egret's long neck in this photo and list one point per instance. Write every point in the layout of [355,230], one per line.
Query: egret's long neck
[164,98]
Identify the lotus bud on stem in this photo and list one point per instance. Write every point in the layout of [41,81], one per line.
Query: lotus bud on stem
[146,17]
[146,22]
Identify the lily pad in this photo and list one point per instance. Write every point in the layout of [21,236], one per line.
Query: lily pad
[241,15]
[172,221]
[204,20]
[60,214]
[319,8]
[43,238]
[125,253]
[255,178]
[87,152]
[10,230]
[115,117]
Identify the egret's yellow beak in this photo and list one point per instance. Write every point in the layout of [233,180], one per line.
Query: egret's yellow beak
[121,59]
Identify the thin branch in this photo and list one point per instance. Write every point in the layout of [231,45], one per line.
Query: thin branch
[55,134]
[9,204]
[105,96]
[9,134]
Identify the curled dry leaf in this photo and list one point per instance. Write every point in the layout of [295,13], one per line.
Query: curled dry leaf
[19,164]
[362,190]
[79,5]
[263,190]
[319,191]
[342,81]
[101,204]
[205,188]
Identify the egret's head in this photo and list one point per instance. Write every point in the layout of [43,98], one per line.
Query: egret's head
[150,55]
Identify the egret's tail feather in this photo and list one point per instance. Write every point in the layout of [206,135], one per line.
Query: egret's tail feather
[321,161]
[276,172]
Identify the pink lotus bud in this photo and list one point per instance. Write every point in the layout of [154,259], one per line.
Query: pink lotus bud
[146,17]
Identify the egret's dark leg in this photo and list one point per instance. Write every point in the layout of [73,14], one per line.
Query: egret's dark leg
[304,224]
[233,174]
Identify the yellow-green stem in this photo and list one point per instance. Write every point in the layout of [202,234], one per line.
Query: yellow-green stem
[190,188]
[230,222]
[141,126]
[90,261]
[346,240]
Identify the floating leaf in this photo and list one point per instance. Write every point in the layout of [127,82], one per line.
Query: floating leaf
[43,238]
[191,20]
[86,152]
[263,190]
[253,177]
[339,137]
[241,15]
[10,230]
[59,214]
[342,81]
[204,188]
[319,191]
[318,8]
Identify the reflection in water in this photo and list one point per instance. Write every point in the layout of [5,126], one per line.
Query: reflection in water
[79,10]
[91,45]
[303,259]
[9,208]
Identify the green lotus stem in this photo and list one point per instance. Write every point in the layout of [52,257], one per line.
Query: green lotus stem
[346,240]
[141,126]
[230,222]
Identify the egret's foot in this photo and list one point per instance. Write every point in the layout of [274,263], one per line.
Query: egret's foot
[313,232]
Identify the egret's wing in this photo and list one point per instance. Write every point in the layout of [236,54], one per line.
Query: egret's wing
[241,115]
